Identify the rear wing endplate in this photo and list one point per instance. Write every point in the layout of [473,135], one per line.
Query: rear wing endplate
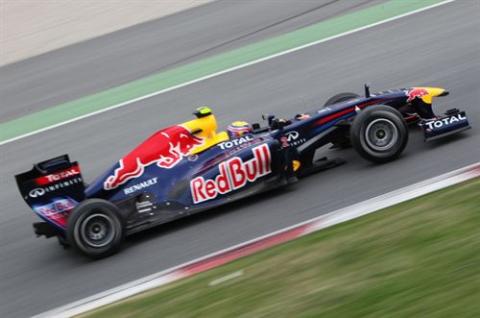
[52,189]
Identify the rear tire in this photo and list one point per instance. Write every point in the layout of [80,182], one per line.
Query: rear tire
[379,133]
[95,228]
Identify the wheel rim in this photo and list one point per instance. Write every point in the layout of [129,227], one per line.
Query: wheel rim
[381,134]
[97,230]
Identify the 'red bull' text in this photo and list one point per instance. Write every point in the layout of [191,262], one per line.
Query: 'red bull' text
[233,174]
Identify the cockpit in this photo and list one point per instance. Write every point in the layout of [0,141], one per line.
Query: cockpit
[205,126]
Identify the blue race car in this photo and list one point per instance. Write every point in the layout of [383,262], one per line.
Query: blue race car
[191,167]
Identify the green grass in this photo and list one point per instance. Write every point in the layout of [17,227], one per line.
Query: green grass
[417,259]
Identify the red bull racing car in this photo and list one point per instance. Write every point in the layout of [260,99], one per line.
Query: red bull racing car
[187,168]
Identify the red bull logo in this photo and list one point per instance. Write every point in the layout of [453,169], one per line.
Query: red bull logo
[165,148]
[233,174]
[416,92]
[57,211]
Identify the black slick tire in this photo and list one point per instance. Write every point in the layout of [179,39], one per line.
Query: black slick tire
[95,228]
[379,133]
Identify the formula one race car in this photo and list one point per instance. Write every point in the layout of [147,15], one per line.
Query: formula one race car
[187,168]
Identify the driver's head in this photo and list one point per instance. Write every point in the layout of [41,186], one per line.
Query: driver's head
[238,129]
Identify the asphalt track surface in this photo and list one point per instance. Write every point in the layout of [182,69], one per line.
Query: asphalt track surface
[121,57]
[437,47]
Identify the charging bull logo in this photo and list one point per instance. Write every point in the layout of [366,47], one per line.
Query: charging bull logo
[416,92]
[166,149]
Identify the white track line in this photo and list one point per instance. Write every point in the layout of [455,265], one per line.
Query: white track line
[166,90]
[225,278]
[323,221]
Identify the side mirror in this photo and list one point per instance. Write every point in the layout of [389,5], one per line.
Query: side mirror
[269,118]
[278,123]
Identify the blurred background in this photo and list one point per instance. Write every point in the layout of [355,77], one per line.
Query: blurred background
[54,53]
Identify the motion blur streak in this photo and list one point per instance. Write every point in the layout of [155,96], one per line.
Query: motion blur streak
[37,275]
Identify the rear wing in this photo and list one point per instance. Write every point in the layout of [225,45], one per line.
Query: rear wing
[52,189]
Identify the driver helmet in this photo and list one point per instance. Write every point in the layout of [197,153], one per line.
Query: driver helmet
[238,129]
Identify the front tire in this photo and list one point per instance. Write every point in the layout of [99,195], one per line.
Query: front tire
[341,97]
[95,228]
[379,134]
